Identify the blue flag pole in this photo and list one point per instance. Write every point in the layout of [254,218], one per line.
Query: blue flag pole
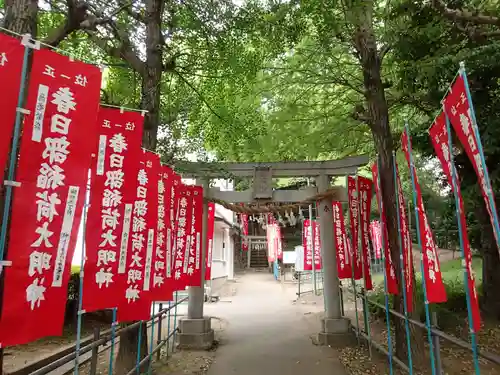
[454,179]
[401,263]
[386,294]
[151,339]
[419,239]
[113,338]
[489,191]
[80,286]
[139,344]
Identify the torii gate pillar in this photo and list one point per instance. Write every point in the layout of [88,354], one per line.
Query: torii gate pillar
[195,331]
[335,329]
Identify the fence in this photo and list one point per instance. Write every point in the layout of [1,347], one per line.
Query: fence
[87,357]
[308,284]
[362,330]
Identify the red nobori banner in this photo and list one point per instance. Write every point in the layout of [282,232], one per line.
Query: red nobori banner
[353,204]
[135,301]
[344,268]
[458,109]
[317,245]
[182,231]
[390,273]
[406,245]
[244,229]
[55,156]
[271,249]
[112,184]
[309,232]
[439,137]
[365,193]
[307,244]
[432,273]
[210,240]
[175,186]
[376,235]
[11,66]
[161,288]
[192,257]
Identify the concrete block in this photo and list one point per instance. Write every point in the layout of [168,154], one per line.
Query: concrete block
[195,334]
[337,340]
[196,341]
[195,326]
[341,325]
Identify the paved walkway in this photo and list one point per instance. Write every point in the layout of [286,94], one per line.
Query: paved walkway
[268,334]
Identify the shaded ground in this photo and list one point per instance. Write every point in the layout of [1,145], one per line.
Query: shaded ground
[455,359]
[264,331]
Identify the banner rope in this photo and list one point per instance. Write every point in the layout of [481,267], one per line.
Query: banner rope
[273,207]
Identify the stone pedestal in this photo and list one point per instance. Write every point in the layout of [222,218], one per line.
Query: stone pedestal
[336,333]
[195,334]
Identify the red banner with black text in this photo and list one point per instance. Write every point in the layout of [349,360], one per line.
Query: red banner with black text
[11,67]
[432,273]
[244,232]
[113,183]
[376,236]
[365,201]
[210,240]
[353,203]
[344,267]
[406,246]
[458,109]
[390,273]
[59,137]
[310,232]
[439,137]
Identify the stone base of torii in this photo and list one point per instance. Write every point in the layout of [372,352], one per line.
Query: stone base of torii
[195,331]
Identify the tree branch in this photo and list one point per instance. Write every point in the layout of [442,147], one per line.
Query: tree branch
[464,15]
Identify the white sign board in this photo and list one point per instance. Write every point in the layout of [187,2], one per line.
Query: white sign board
[299,258]
[289,257]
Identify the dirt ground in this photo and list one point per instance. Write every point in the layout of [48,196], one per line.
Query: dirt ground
[455,360]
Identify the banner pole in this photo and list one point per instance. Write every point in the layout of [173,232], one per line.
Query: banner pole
[353,281]
[112,349]
[401,263]
[168,327]
[366,311]
[386,295]
[481,153]
[12,168]
[80,284]
[139,344]
[151,339]
[419,239]
[175,321]
[454,179]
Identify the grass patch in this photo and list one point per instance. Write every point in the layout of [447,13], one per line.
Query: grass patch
[456,305]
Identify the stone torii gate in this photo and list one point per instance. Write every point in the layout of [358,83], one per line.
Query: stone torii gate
[195,330]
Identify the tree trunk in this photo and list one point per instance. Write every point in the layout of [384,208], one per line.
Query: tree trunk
[126,360]
[377,116]
[150,101]
[491,263]
[151,80]
[21,16]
